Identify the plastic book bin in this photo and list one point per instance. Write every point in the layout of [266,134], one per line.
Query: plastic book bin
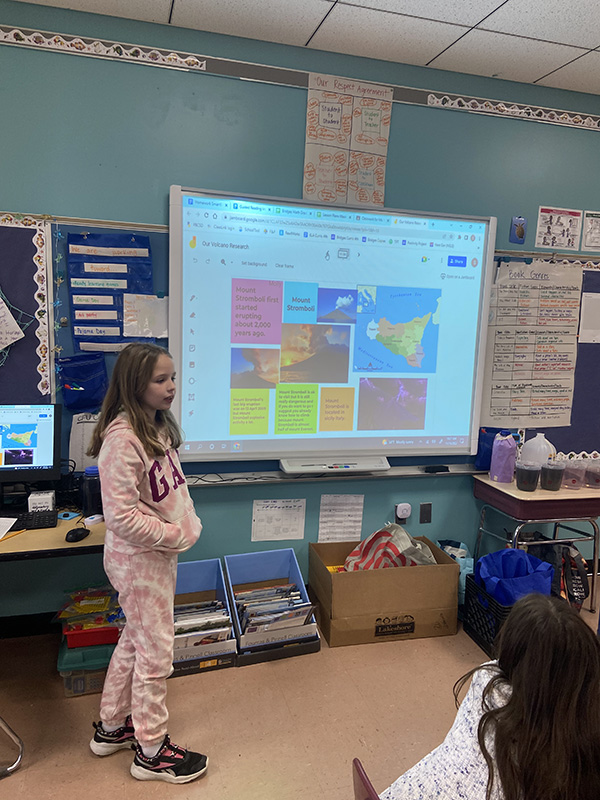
[270,567]
[197,581]
[483,615]
[83,669]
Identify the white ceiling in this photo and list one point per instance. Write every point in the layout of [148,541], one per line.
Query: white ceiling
[547,42]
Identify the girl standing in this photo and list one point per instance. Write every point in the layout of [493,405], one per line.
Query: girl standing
[150,518]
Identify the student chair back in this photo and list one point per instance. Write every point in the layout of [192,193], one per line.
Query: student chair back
[363,788]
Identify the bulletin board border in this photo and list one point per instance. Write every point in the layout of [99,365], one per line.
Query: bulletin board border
[191,62]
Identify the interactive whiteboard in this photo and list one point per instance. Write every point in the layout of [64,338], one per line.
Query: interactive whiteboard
[301,330]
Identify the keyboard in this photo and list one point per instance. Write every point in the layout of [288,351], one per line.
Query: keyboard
[31,519]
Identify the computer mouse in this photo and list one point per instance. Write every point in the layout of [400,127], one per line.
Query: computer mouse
[77,534]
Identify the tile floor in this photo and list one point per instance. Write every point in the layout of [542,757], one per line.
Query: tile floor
[284,730]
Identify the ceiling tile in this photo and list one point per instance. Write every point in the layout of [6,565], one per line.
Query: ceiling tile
[284,21]
[582,75]
[510,58]
[462,12]
[377,34]
[144,10]
[574,23]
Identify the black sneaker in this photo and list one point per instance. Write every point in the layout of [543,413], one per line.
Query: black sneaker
[106,742]
[172,764]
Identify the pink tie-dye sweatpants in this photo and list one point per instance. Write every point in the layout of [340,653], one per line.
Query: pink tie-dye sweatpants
[136,681]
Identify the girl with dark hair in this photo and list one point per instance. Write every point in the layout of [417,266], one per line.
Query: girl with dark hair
[529,726]
[150,518]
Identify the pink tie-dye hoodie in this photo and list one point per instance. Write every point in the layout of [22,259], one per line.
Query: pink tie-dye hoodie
[145,501]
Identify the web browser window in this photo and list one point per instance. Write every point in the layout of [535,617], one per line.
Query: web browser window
[305,329]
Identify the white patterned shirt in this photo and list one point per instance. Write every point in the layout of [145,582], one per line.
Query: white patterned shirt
[456,770]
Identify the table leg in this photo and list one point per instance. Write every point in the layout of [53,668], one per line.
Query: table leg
[12,735]
[594,525]
[515,537]
[479,533]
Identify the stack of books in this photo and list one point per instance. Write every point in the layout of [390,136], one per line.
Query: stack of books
[201,623]
[271,608]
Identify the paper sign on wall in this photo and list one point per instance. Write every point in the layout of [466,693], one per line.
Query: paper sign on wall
[347,134]
[278,520]
[145,315]
[532,345]
[340,517]
[9,329]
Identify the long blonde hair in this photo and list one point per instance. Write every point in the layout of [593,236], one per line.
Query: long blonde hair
[129,380]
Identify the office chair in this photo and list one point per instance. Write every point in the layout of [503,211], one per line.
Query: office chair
[363,788]
[12,735]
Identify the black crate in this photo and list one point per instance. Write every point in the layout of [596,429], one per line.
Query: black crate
[483,616]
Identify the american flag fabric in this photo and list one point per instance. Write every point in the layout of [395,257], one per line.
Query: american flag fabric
[392,546]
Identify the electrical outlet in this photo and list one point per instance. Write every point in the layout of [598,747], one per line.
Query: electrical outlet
[425,513]
[403,510]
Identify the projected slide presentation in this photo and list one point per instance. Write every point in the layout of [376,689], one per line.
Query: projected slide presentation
[318,329]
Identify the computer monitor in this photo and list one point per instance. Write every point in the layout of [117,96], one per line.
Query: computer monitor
[29,443]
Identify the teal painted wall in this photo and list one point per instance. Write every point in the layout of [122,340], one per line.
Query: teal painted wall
[84,137]
[28,587]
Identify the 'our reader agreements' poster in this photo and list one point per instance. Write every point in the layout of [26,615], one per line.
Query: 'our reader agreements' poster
[347,134]
[532,345]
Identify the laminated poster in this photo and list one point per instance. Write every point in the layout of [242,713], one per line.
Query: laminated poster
[347,135]
[591,231]
[558,228]
[531,347]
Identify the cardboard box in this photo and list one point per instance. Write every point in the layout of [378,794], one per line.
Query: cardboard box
[198,581]
[267,568]
[383,604]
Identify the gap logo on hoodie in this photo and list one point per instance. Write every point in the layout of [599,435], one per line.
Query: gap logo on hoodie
[158,480]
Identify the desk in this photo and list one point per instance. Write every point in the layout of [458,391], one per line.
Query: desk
[50,543]
[538,508]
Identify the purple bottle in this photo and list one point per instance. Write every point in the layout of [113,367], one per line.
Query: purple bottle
[504,456]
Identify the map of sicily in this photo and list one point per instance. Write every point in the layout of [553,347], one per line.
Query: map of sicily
[396,329]
[18,436]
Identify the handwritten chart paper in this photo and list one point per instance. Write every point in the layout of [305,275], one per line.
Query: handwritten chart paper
[347,135]
[9,329]
[278,520]
[340,517]
[532,345]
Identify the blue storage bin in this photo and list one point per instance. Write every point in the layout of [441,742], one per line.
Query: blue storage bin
[203,578]
[268,566]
